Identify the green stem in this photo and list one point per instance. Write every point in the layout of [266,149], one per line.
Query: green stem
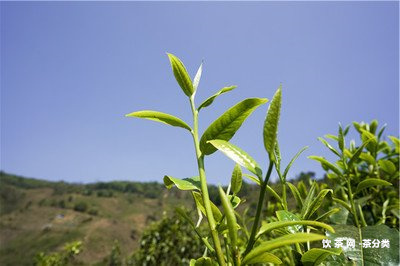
[204,189]
[258,212]
[284,200]
[353,207]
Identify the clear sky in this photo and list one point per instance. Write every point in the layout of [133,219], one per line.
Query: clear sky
[70,71]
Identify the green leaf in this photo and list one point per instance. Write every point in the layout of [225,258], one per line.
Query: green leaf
[343,203]
[329,146]
[253,178]
[230,217]
[396,143]
[332,137]
[236,180]
[181,75]
[197,77]
[316,256]
[225,127]
[327,214]
[308,200]
[271,123]
[292,161]
[234,200]
[265,257]
[200,205]
[280,242]
[371,182]
[160,117]
[267,227]
[211,99]
[203,261]
[368,256]
[296,194]
[326,164]
[237,155]
[286,216]
[316,203]
[341,138]
[368,158]
[387,166]
[192,183]
[358,152]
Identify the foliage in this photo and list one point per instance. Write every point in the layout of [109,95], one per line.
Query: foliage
[61,258]
[233,242]
[170,241]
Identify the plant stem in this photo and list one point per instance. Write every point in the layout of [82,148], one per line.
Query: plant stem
[353,207]
[204,189]
[258,212]
[284,200]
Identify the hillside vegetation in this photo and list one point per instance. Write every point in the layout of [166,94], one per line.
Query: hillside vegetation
[42,216]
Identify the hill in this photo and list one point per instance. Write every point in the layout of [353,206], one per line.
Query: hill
[38,215]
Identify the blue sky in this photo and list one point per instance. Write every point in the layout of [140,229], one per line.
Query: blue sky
[70,71]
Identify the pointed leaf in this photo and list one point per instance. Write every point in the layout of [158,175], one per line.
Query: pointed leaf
[316,256]
[230,217]
[387,166]
[316,203]
[329,146]
[341,138]
[160,117]
[265,257]
[192,183]
[326,164]
[236,180]
[268,227]
[227,124]
[280,242]
[371,182]
[296,194]
[327,214]
[200,205]
[237,155]
[271,123]
[181,75]
[253,178]
[197,78]
[358,152]
[308,200]
[292,161]
[211,99]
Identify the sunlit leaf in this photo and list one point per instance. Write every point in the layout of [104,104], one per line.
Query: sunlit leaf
[371,182]
[197,77]
[225,127]
[292,161]
[181,75]
[211,99]
[280,242]
[200,205]
[271,123]
[160,117]
[237,155]
[192,183]
[387,166]
[296,194]
[326,164]
[236,180]
[316,256]
[265,257]
[230,217]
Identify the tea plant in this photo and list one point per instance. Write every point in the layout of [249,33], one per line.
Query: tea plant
[240,246]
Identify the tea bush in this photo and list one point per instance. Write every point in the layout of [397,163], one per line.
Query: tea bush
[363,199]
